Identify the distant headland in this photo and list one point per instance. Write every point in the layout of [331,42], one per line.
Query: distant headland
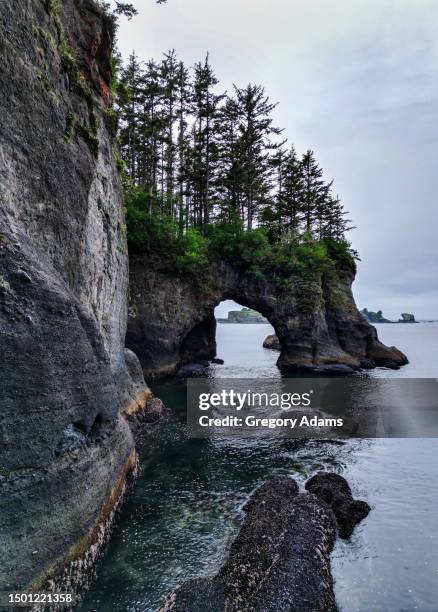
[245,315]
[377,317]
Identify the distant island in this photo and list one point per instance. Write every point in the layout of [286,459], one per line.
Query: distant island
[377,317]
[245,315]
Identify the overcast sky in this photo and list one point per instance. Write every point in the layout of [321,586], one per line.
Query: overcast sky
[357,81]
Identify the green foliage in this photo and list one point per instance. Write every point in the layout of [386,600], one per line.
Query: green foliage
[53,7]
[68,55]
[89,134]
[121,165]
[297,260]
[207,179]
[160,235]
[341,253]
[69,127]
[39,31]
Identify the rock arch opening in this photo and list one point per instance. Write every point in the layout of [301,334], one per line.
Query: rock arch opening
[203,343]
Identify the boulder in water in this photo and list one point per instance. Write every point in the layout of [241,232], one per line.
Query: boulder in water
[335,491]
[272,342]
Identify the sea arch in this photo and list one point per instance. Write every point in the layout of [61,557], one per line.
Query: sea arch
[171,318]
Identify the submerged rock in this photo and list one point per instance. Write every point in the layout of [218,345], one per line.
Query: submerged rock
[193,370]
[280,559]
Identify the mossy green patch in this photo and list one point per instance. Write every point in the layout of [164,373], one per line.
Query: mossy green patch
[69,127]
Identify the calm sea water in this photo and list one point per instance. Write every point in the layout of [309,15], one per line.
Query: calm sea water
[185,509]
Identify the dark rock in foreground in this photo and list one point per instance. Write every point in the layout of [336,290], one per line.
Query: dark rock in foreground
[281,558]
[336,492]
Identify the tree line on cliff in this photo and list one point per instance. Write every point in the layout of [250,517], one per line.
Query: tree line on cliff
[199,156]
[207,174]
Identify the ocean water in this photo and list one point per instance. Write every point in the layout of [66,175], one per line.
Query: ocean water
[186,506]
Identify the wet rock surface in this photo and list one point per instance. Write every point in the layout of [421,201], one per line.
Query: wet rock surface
[64,449]
[336,492]
[152,413]
[280,559]
[272,342]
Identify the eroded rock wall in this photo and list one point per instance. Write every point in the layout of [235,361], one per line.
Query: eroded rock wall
[64,449]
[321,330]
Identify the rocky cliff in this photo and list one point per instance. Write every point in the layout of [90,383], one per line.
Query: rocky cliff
[319,327]
[64,375]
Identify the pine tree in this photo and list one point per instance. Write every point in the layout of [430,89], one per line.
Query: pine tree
[131,79]
[314,189]
[211,156]
[206,105]
[230,174]
[290,204]
[169,75]
[183,93]
[255,131]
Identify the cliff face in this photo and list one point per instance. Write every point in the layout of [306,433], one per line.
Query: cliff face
[64,449]
[318,329]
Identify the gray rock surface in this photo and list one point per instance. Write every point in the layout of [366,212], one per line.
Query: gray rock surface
[64,449]
[280,559]
[272,342]
[322,332]
[335,491]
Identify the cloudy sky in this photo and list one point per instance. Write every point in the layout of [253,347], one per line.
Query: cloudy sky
[357,81]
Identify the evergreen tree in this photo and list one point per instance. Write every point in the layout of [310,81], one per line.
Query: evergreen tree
[255,131]
[131,79]
[184,93]
[151,127]
[169,75]
[198,156]
[230,177]
[206,105]
[290,202]
[314,189]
